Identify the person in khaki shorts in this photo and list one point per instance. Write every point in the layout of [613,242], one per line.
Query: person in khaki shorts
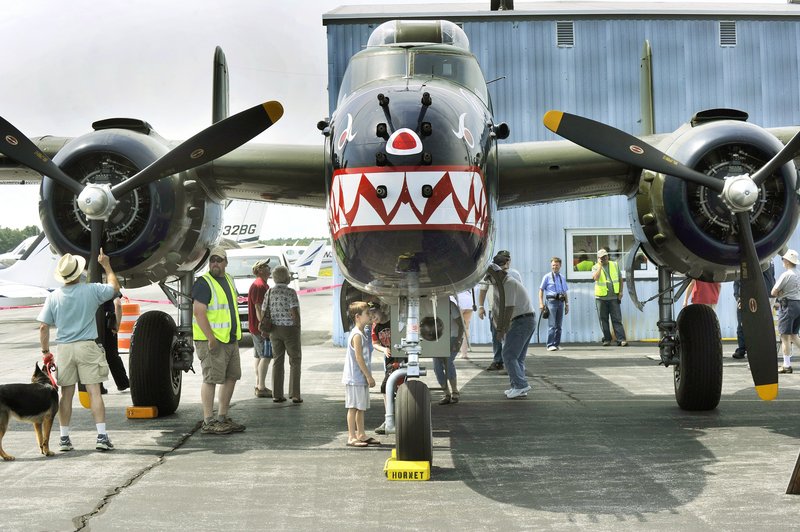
[71,309]
[217,331]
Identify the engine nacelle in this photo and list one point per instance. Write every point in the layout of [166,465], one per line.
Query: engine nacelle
[156,231]
[687,227]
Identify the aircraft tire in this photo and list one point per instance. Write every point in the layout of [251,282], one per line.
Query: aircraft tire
[153,381]
[413,414]
[698,376]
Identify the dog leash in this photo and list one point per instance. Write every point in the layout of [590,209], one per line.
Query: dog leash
[50,368]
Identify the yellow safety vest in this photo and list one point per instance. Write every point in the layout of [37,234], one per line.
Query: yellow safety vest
[219,312]
[601,284]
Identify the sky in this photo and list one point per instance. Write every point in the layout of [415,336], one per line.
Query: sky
[67,64]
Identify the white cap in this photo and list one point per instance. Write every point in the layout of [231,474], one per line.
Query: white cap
[792,257]
[602,253]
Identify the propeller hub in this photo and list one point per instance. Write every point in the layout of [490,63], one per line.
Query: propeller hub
[96,201]
[739,193]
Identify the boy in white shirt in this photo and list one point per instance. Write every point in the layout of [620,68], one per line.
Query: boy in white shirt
[357,376]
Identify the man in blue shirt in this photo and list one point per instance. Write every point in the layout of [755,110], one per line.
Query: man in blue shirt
[553,292]
[72,310]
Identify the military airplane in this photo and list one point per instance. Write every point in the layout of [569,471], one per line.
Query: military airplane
[412,175]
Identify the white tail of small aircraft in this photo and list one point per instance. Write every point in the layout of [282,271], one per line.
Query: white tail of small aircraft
[28,280]
[307,265]
[243,221]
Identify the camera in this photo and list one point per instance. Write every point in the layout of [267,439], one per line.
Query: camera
[561,296]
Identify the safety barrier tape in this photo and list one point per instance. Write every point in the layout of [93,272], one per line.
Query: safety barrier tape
[167,302]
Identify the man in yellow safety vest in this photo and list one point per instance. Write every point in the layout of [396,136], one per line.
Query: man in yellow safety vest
[608,296]
[217,331]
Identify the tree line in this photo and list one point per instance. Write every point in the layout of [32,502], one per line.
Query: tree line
[10,238]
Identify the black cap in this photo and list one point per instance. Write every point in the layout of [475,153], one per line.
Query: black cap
[500,260]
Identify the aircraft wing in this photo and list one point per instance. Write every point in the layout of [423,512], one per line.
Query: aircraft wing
[544,171]
[530,172]
[12,172]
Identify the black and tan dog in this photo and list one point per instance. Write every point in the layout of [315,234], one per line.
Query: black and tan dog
[35,403]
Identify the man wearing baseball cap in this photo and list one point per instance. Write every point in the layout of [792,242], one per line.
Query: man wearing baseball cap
[72,310]
[217,331]
[608,297]
[262,348]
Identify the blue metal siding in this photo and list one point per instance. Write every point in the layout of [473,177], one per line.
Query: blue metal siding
[599,78]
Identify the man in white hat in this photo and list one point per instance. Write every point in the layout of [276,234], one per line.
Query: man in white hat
[217,331]
[787,290]
[72,309]
[608,297]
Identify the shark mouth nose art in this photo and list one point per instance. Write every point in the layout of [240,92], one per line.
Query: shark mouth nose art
[455,201]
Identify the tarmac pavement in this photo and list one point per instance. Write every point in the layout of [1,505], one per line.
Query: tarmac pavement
[598,444]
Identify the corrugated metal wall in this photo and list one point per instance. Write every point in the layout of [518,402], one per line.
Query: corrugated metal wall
[599,78]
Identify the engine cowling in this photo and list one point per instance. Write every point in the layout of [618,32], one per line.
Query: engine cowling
[155,232]
[687,227]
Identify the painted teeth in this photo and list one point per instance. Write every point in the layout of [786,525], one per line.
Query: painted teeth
[458,202]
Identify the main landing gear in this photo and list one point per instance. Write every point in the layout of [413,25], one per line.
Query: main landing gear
[693,346]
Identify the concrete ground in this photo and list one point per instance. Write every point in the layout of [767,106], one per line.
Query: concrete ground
[598,444]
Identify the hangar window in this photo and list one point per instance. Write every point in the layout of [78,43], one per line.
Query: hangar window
[565,34]
[727,33]
[582,246]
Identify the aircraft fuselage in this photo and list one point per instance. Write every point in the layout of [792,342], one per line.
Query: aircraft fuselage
[412,181]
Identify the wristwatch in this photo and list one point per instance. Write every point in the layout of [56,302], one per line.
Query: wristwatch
[45,351]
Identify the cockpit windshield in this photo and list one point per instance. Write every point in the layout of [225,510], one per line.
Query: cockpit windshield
[463,69]
[417,63]
[367,67]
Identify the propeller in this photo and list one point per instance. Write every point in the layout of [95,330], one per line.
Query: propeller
[738,193]
[97,201]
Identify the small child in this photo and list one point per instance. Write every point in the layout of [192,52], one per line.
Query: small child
[357,377]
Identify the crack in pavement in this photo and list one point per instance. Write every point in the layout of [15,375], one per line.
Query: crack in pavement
[82,521]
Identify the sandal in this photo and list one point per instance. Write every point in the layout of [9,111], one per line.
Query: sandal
[297,400]
[454,398]
[371,441]
[279,400]
[357,443]
[445,400]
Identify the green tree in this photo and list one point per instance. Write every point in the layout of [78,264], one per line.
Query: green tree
[10,238]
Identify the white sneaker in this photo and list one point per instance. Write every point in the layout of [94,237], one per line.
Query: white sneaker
[558,348]
[552,348]
[508,391]
[518,392]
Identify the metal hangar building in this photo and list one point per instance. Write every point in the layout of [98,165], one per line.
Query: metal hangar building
[586,58]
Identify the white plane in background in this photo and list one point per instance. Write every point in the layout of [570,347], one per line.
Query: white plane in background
[242,223]
[10,257]
[30,278]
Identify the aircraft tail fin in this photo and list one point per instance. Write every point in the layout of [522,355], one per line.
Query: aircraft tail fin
[243,221]
[35,268]
[221,98]
[308,264]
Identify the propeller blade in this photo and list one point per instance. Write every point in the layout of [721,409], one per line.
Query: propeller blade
[611,142]
[97,227]
[211,143]
[756,316]
[782,157]
[20,148]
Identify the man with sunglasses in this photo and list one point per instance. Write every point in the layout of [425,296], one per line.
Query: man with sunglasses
[217,331]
